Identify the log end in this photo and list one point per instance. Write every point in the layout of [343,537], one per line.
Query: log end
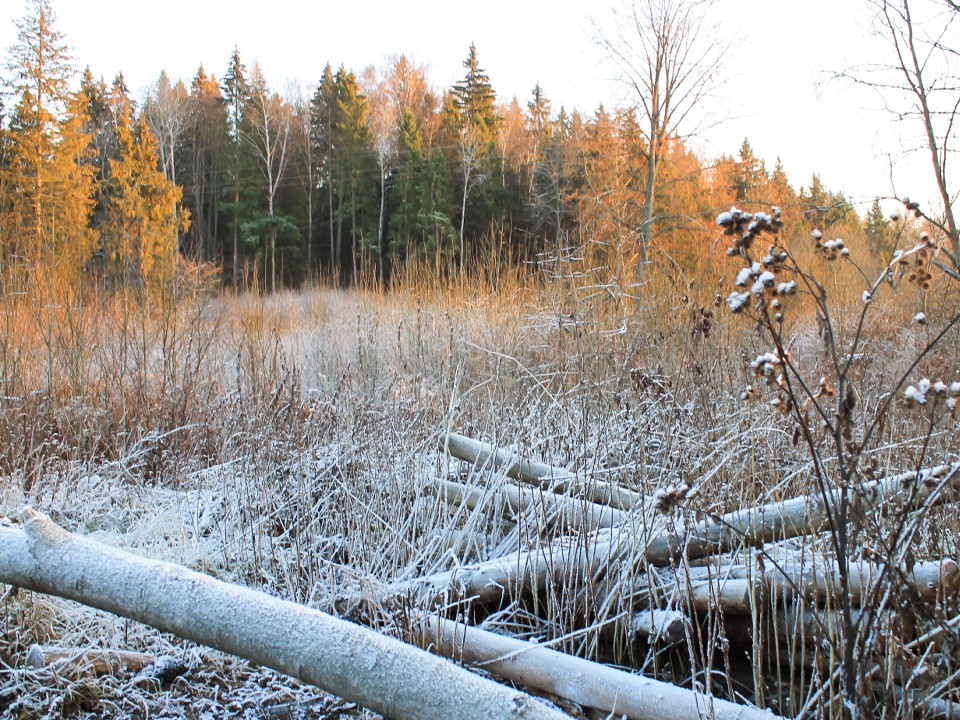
[40,527]
[950,577]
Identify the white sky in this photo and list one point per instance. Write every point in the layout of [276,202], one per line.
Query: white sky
[782,50]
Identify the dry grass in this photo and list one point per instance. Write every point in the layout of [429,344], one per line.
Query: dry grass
[284,443]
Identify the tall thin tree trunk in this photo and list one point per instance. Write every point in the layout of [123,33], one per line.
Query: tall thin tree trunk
[646,227]
[236,231]
[383,199]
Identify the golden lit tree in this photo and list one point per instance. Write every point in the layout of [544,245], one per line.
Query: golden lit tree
[48,233]
[143,216]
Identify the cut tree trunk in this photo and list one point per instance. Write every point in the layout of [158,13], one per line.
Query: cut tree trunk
[568,512]
[618,693]
[586,557]
[94,661]
[554,479]
[379,672]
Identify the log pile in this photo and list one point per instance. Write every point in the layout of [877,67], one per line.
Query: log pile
[766,569]
[768,564]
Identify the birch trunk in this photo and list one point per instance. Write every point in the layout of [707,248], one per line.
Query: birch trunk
[553,479]
[610,548]
[381,673]
[618,693]
[568,512]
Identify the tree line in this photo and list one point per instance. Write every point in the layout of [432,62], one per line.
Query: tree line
[354,179]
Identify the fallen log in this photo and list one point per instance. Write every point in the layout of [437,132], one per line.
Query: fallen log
[803,515]
[660,625]
[548,477]
[94,661]
[568,512]
[568,557]
[615,692]
[812,577]
[379,672]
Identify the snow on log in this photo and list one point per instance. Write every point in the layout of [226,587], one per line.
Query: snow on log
[568,512]
[612,691]
[554,479]
[733,586]
[381,673]
[579,557]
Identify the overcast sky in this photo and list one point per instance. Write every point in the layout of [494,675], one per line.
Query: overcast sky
[775,92]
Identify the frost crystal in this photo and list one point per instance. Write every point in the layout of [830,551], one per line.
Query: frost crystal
[787,288]
[736,301]
[915,396]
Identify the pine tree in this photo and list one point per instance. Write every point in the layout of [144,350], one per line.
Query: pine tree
[344,141]
[241,186]
[749,176]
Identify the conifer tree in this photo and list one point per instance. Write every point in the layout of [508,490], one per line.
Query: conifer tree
[54,195]
[881,236]
[475,99]
[241,185]
[143,218]
[749,176]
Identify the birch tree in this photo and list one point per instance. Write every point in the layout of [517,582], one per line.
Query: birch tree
[918,84]
[668,60]
[167,112]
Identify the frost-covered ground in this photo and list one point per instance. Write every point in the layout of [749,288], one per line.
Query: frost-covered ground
[286,444]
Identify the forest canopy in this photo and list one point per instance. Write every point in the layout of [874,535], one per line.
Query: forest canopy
[364,175]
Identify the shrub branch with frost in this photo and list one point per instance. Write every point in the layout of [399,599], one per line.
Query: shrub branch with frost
[826,414]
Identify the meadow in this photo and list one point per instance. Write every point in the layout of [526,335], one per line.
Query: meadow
[287,442]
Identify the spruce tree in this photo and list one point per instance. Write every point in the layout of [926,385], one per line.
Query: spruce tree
[241,196]
[48,143]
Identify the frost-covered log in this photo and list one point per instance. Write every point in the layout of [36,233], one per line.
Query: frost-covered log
[586,683]
[96,661]
[818,578]
[554,479]
[568,512]
[585,557]
[734,586]
[659,625]
[802,515]
[384,674]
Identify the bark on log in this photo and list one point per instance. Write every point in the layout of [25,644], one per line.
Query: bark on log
[382,673]
[811,576]
[94,661]
[798,516]
[660,625]
[553,479]
[568,557]
[568,512]
[587,683]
